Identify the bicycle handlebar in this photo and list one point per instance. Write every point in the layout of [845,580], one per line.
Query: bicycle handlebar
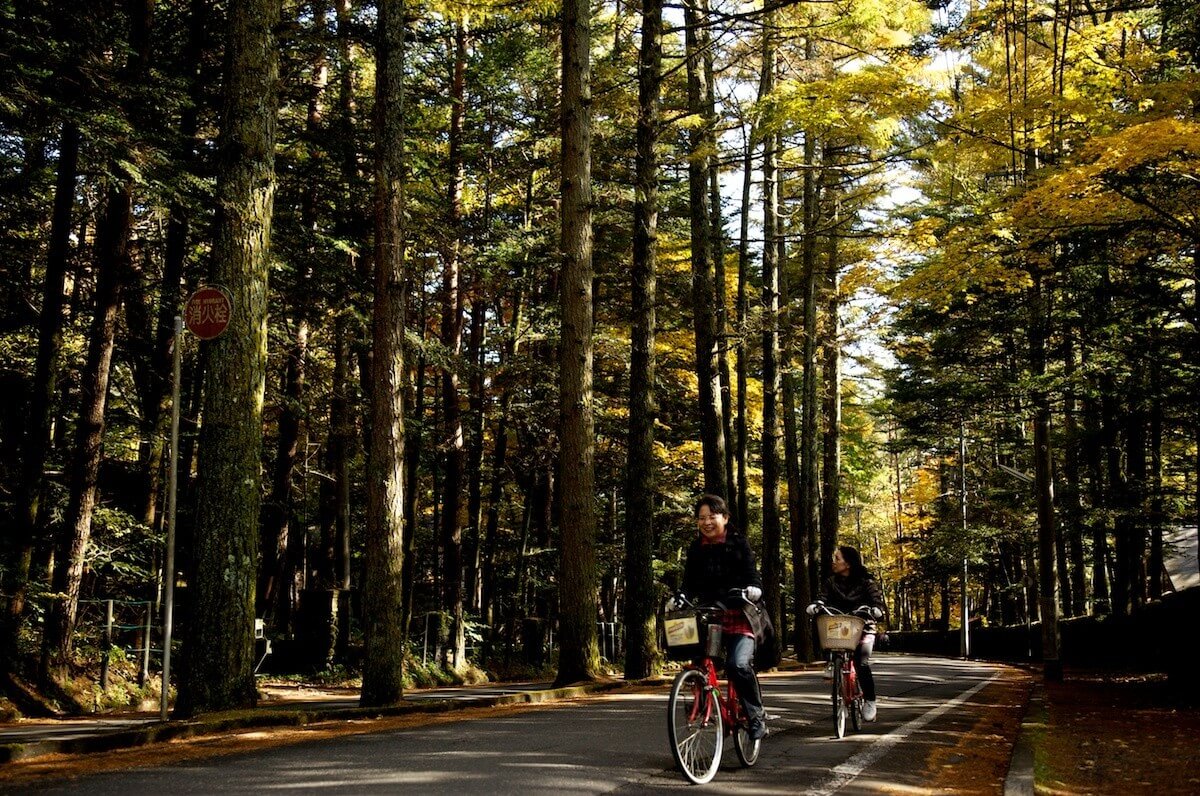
[862,611]
[681,600]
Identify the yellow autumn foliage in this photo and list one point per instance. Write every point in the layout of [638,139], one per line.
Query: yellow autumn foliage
[1159,160]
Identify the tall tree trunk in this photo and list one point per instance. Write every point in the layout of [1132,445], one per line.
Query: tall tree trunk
[499,461]
[1155,514]
[414,441]
[1116,495]
[801,635]
[743,306]
[279,536]
[477,403]
[512,336]
[641,641]
[579,657]
[717,239]
[452,325]
[1093,455]
[342,411]
[769,654]
[42,396]
[1072,498]
[1133,558]
[219,648]
[280,546]
[332,565]
[383,655]
[112,265]
[156,397]
[704,294]
[1044,486]
[818,556]
[831,410]
[479,400]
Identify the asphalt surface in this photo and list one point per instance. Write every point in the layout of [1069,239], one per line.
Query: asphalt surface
[612,742]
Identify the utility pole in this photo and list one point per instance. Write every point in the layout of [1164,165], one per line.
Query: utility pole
[962,501]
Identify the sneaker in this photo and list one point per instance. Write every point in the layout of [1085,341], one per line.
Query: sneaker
[868,710]
[828,673]
[758,729]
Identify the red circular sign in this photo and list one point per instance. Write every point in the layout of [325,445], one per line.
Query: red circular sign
[207,312]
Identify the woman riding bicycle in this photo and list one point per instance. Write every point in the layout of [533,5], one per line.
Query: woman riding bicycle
[720,561]
[852,586]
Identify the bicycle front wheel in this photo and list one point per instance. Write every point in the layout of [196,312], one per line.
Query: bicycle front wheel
[746,747]
[840,707]
[694,726]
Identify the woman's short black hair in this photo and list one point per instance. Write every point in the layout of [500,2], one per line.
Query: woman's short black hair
[715,503]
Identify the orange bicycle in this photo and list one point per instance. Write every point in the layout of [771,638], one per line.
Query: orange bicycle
[699,716]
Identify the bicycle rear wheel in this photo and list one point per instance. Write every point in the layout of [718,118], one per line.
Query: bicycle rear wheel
[840,708]
[694,726]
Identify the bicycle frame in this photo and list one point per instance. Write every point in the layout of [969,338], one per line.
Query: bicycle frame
[850,688]
[849,675]
[731,707]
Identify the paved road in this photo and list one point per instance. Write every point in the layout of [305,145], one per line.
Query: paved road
[614,744]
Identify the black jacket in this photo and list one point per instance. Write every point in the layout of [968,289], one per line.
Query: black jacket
[848,593]
[711,571]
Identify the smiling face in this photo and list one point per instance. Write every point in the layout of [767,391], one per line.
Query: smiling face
[840,567]
[710,523]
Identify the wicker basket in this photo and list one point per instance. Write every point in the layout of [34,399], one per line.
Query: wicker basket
[840,631]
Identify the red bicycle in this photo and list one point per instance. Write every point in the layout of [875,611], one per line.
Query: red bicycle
[840,634]
[699,716]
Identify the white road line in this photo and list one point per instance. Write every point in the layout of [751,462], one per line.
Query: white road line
[844,773]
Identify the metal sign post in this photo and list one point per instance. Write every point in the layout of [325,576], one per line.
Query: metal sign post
[172,487]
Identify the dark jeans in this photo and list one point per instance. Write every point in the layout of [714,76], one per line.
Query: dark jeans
[862,664]
[739,668]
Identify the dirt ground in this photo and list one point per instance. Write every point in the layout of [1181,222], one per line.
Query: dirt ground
[1117,734]
[977,764]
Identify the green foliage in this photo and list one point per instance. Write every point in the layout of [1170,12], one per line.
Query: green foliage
[123,554]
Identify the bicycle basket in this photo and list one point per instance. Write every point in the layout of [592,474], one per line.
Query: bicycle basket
[839,632]
[688,631]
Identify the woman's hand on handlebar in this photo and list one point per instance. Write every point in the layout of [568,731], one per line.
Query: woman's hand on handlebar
[869,610]
[678,600]
[749,594]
